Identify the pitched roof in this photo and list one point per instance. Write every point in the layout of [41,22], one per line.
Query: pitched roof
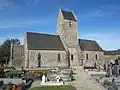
[112,52]
[68,15]
[89,45]
[38,41]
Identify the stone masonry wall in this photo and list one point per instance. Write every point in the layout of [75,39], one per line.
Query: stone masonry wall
[68,35]
[76,54]
[25,51]
[49,58]
[110,58]
[92,57]
[18,56]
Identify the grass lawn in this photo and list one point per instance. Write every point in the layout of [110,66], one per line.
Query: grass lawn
[37,71]
[54,88]
[13,72]
[41,71]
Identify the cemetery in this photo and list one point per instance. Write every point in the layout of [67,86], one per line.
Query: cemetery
[109,77]
[27,79]
[50,79]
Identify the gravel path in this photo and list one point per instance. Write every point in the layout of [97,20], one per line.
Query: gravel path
[84,82]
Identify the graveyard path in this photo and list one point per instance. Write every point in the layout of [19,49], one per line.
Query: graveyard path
[84,82]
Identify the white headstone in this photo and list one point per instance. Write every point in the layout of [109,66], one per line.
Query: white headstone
[43,79]
[58,78]
[110,71]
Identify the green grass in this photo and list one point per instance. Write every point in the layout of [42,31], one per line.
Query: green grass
[54,88]
[41,72]
[13,72]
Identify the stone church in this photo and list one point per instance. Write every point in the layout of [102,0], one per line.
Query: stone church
[63,49]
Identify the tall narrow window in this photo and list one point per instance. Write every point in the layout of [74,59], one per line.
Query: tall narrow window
[70,24]
[39,60]
[87,56]
[96,57]
[72,57]
[58,57]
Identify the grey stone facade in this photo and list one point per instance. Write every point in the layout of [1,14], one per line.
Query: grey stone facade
[68,32]
[93,57]
[49,58]
[69,50]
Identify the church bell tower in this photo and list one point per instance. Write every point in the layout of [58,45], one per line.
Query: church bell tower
[67,29]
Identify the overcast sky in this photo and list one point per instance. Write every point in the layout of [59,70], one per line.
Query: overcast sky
[97,19]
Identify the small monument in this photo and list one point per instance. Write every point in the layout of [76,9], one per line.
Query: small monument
[58,78]
[43,78]
[109,70]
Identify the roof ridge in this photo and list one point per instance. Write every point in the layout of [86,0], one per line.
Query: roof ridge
[87,40]
[43,33]
[66,10]
[111,50]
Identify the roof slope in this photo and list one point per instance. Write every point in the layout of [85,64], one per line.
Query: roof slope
[68,15]
[113,52]
[89,45]
[38,41]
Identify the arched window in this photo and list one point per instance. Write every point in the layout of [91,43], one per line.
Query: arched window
[87,56]
[58,57]
[72,57]
[39,60]
[70,24]
[96,57]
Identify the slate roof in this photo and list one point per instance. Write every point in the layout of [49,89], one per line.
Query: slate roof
[68,15]
[89,45]
[39,41]
[113,52]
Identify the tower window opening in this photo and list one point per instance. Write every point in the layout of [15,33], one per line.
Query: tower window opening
[87,56]
[72,57]
[58,57]
[96,57]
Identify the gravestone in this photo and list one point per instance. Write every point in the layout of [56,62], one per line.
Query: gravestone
[43,79]
[58,78]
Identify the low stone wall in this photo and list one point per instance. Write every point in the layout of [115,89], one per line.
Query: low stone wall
[52,83]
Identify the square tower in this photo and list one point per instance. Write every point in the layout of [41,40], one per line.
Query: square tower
[67,29]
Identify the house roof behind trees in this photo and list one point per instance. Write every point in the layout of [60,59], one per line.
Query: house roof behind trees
[112,52]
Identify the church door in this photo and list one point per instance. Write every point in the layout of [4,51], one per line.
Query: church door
[39,60]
